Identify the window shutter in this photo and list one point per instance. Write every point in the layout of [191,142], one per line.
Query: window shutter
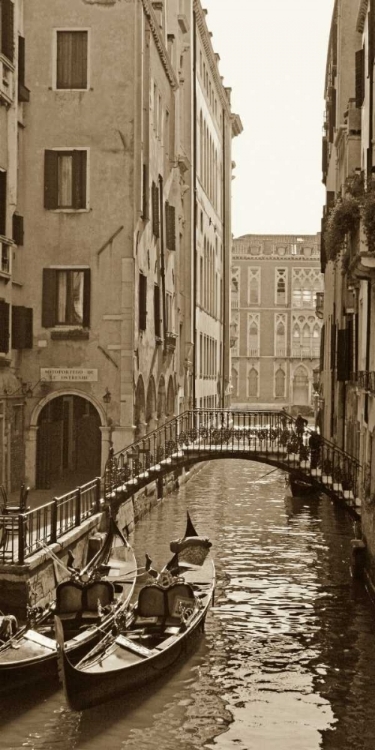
[50,179]
[145,214]
[142,301]
[342,355]
[322,339]
[157,310]
[170,220]
[155,210]
[18,229]
[86,297]
[22,327]
[21,59]
[333,346]
[79,179]
[4,327]
[324,158]
[3,202]
[49,297]
[359,77]
[7,28]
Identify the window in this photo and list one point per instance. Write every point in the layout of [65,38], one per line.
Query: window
[142,301]
[235,288]
[280,383]
[7,28]
[281,286]
[169,324]
[5,257]
[252,383]
[66,297]
[254,284]
[170,226]
[234,379]
[155,209]
[65,179]
[280,338]
[23,91]
[71,59]
[253,336]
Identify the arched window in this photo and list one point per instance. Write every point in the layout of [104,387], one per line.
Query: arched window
[252,383]
[280,383]
[234,382]
[280,339]
[253,338]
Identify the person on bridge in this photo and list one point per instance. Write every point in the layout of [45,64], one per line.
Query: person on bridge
[300,425]
[315,442]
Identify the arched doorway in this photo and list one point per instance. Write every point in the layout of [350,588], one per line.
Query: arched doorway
[68,441]
[300,387]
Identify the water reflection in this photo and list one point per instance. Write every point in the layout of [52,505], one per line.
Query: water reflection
[288,657]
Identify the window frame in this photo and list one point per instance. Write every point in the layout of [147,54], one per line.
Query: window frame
[50,297]
[65,151]
[54,57]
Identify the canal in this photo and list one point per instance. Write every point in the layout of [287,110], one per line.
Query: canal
[288,658]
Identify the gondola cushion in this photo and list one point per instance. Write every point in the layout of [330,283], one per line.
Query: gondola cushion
[69,597]
[179,596]
[151,602]
[102,591]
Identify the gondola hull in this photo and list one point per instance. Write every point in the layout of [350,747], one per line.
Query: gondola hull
[162,627]
[30,656]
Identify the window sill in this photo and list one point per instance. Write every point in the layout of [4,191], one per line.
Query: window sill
[70,334]
[5,277]
[68,210]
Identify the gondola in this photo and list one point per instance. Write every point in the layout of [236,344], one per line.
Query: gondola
[300,488]
[162,627]
[88,604]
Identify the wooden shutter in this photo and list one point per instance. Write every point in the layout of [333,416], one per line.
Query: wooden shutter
[145,214]
[324,158]
[343,368]
[86,297]
[79,179]
[157,310]
[50,179]
[333,346]
[3,202]
[155,210]
[18,229]
[23,91]
[359,77]
[49,297]
[322,340]
[170,220]
[22,327]
[4,327]
[7,28]
[142,301]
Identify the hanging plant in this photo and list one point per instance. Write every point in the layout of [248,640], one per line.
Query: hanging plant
[343,219]
[368,217]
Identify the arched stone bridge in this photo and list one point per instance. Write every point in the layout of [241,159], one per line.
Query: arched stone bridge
[269,437]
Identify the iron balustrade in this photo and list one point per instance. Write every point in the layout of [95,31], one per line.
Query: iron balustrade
[23,533]
[197,435]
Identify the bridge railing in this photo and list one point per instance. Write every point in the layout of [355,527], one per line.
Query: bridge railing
[21,534]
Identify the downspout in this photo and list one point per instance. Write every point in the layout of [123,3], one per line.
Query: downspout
[162,262]
[224,310]
[194,207]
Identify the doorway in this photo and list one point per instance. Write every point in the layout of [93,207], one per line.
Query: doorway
[68,441]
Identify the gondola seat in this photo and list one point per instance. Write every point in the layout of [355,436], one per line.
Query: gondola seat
[163,606]
[180,596]
[69,600]
[96,593]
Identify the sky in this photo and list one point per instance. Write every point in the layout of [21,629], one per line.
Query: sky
[273,56]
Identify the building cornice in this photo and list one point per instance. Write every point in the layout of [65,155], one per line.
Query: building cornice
[362,12]
[159,42]
[200,16]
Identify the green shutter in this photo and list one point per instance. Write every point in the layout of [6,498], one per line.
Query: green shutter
[49,297]
[4,327]
[50,179]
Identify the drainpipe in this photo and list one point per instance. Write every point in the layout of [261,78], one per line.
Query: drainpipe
[224,306]
[162,262]
[195,206]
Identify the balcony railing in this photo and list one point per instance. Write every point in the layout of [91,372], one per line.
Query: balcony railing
[306,352]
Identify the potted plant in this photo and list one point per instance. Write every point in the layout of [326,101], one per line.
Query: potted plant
[347,486]
[337,478]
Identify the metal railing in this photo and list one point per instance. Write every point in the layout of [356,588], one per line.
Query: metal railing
[22,533]
[197,435]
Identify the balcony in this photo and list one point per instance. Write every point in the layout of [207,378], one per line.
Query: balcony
[6,81]
[366,381]
[305,352]
[170,341]
[359,260]
[5,261]
[253,352]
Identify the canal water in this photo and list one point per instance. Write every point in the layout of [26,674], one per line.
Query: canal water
[287,661]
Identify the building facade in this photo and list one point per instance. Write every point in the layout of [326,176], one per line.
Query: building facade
[275,332]
[15,318]
[348,251]
[102,162]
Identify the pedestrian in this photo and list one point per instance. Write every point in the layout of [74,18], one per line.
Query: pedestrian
[315,442]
